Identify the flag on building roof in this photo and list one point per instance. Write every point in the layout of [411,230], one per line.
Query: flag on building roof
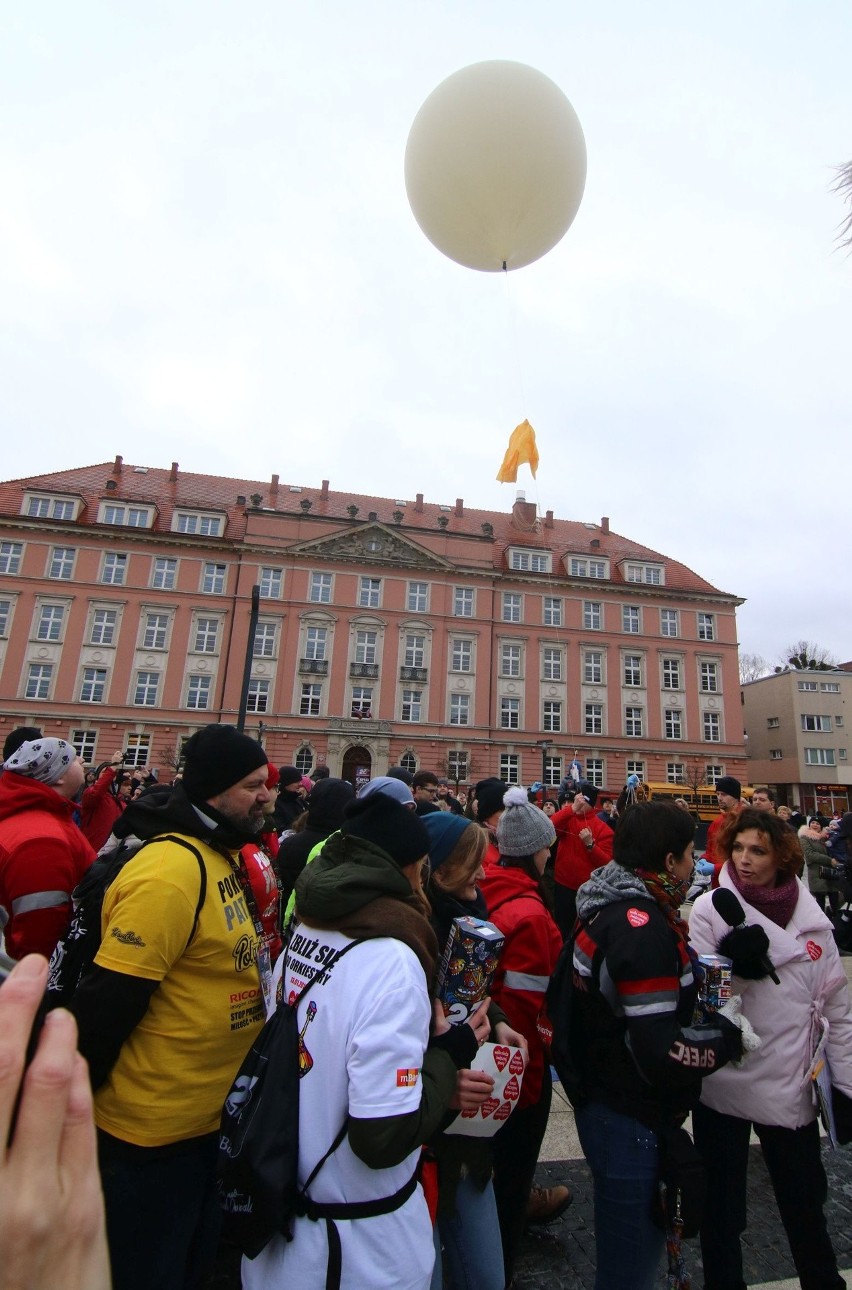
[522,448]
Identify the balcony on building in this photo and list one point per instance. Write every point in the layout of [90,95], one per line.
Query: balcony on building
[360,670]
[315,666]
[420,674]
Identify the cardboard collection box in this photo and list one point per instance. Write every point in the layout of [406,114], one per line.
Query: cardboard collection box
[468,966]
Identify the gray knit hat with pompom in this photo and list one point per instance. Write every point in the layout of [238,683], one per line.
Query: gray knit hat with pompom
[522,828]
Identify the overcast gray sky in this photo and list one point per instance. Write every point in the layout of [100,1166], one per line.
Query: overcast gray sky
[207,255]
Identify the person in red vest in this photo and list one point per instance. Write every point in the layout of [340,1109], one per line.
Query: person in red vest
[584,844]
[729,793]
[105,801]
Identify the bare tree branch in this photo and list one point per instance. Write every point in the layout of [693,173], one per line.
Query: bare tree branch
[843,185]
[807,655]
[752,667]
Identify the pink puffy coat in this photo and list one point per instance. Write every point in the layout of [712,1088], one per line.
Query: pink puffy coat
[771,1086]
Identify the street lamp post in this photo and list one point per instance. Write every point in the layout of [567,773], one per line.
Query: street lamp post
[544,745]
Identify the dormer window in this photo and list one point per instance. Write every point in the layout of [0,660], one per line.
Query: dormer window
[199,523]
[49,506]
[654,574]
[132,517]
[587,567]
[530,561]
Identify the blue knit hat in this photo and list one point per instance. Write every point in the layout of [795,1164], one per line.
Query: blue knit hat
[444,831]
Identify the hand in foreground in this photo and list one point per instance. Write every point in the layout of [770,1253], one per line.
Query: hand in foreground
[504,1034]
[747,946]
[52,1230]
[479,1023]
[472,1088]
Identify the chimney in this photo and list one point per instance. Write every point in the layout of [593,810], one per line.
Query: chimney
[523,513]
[459,507]
[605,524]
[418,502]
[548,519]
[173,473]
[119,461]
[324,491]
[274,488]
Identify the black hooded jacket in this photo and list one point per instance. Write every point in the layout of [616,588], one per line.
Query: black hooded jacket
[326,805]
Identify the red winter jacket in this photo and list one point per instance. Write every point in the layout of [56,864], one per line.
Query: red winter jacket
[100,808]
[43,855]
[574,860]
[529,957]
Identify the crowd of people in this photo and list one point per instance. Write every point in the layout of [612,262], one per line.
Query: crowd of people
[241,884]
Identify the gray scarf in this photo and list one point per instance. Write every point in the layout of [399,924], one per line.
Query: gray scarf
[607,885]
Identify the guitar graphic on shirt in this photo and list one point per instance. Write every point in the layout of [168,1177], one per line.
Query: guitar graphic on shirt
[305,1059]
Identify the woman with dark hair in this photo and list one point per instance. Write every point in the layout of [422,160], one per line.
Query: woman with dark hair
[632,1037]
[513,894]
[784,931]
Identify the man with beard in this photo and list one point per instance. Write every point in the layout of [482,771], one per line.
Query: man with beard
[170,1008]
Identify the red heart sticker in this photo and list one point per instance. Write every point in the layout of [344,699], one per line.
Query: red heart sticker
[489,1106]
[468,1115]
[637,917]
[503,1112]
[512,1089]
[501,1056]
[516,1065]
[814,950]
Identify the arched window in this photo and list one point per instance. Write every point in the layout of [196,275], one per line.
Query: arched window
[409,763]
[304,760]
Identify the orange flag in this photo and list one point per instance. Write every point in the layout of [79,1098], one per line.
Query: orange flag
[521,449]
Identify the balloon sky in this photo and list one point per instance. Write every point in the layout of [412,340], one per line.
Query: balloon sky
[207,255]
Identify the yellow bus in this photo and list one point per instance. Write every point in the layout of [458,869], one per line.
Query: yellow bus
[702,803]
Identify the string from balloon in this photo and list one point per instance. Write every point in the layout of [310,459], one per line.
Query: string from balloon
[535,527]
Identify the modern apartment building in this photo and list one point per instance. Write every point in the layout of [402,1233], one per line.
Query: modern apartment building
[797,737]
[390,630]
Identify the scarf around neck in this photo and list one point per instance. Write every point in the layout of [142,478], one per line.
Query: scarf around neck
[669,896]
[775,903]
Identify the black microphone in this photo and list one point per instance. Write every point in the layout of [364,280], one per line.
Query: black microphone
[731,912]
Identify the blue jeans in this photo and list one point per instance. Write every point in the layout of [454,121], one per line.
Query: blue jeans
[471,1240]
[622,1155]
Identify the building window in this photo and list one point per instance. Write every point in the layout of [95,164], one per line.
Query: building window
[10,557]
[61,563]
[807,685]
[633,669]
[592,615]
[511,607]
[362,701]
[319,589]
[552,716]
[633,722]
[713,772]
[457,764]
[114,571]
[530,561]
[593,668]
[706,627]
[671,674]
[552,612]
[133,517]
[510,768]
[42,508]
[206,636]
[85,742]
[213,579]
[668,622]
[595,771]
[838,721]
[775,754]
[459,709]
[304,760]
[830,687]
[631,620]
[257,698]
[651,573]
[198,692]
[156,631]
[138,750]
[712,728]
[192,522]
[510,713]
[587,568]
[316,639]
[309,703]
[50,620]
[552,771]
[552,663]
[415,651]
[809,721]
[673,723]
[164,575]
[635,768]
[841,753]
[772,723]
[93,686]
[39,677]
[417,600]
[463,602]
[510,660]
[411,705]
[369,593]
[593,719]
[271,583]
[5,614]
[675,772]
[709,678]
[409,763]
[147,686]
[819,756]
[265,640]
[104,622]
[462,656]
[365,647]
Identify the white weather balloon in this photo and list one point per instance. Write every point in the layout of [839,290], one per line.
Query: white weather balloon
[495,166]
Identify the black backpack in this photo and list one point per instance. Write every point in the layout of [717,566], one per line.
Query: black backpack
[74,956]
[566,1051]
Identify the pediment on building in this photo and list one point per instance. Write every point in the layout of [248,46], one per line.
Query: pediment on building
[372,544]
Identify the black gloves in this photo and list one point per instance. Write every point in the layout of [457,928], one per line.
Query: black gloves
[459,1043]
[746,946]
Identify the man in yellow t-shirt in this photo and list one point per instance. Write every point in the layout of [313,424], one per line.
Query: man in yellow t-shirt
[170,1008]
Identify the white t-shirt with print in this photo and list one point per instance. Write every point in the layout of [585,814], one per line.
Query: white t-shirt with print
[364,1028]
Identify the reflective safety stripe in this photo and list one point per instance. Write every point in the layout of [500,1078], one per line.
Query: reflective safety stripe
[40,900]
[525,981]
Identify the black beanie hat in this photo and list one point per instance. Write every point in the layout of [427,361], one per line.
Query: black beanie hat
[727,784]
[216,758]
[288,775]
[389,825]
[489,797]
